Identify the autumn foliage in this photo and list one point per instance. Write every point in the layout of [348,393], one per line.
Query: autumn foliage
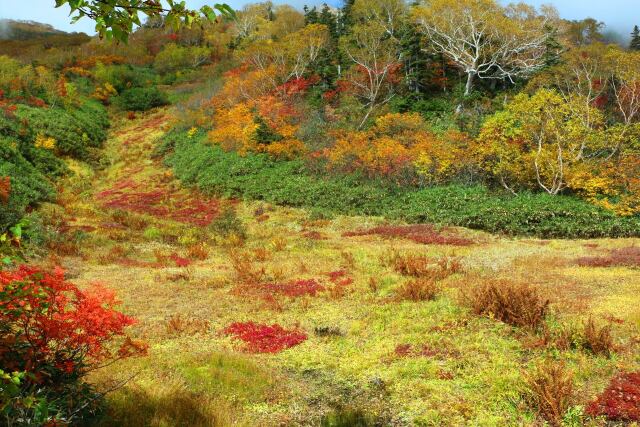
[620,401]
[55,333]
[399,147]
[260,338]
[49,321]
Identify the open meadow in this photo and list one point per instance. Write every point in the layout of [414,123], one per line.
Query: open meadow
[366,213]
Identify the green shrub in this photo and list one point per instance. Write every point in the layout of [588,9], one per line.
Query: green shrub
[28,186]
[141,99]
[123,77]
[290,183]
[228,223]
[74,130]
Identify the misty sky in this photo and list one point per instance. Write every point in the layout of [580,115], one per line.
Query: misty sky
[619,15]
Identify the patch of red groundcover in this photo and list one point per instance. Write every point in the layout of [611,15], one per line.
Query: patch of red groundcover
[620,401]
[425,234]
[623,257]
[296,288]
[260,338]
[155,199]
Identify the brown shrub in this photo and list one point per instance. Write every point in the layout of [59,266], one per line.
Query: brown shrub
[564,338]
[421,289]
[262,254]
[373,284]
[198,251]
[425,267]
[550,390]
[425,234]
[411,265]
[178,325]
[348,260]
[129,220]
[247,273]
[279,244]
[517,304]
[598,339]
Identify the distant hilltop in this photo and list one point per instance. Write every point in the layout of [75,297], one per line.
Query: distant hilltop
[29,38]
[26,30]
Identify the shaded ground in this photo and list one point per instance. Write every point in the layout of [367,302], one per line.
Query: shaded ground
[368,355]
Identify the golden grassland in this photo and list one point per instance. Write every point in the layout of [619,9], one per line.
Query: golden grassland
[360,356]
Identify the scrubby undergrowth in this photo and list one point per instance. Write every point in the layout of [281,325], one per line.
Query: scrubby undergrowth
[289,183]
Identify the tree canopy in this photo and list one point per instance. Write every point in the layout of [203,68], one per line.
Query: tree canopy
[117,18]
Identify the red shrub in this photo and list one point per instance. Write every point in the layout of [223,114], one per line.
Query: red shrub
[261,338]
[335,276]
[620,401]
[180,261]
[625,257]
[425,234]
[50,327]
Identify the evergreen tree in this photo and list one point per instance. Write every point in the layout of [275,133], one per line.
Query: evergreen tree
[416,63]
[345,20]
[328,18]
[635,39]
[553,48]
[310,15]
[264,134]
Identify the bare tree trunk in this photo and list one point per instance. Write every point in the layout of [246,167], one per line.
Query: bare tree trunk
[467,90]
[469,85]
[366,116]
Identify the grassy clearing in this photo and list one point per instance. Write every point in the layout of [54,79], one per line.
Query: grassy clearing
[373,353]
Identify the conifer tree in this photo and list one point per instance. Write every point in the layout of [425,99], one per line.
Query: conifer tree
[635,39]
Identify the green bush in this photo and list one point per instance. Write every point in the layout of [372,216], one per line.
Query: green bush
[290,183]
[141,99]
[123,77]
[78,132]
[28,186]
[74,130]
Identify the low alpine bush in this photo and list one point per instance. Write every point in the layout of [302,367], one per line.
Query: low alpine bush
[261,338]
[142,99]
[516,304]
[52,334]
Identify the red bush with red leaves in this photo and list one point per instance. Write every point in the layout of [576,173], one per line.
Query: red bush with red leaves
[45,320]
[160,201]
[620,401]
[261,338]
[55,333]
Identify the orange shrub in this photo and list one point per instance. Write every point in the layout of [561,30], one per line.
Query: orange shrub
[398,146]
[517,304]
